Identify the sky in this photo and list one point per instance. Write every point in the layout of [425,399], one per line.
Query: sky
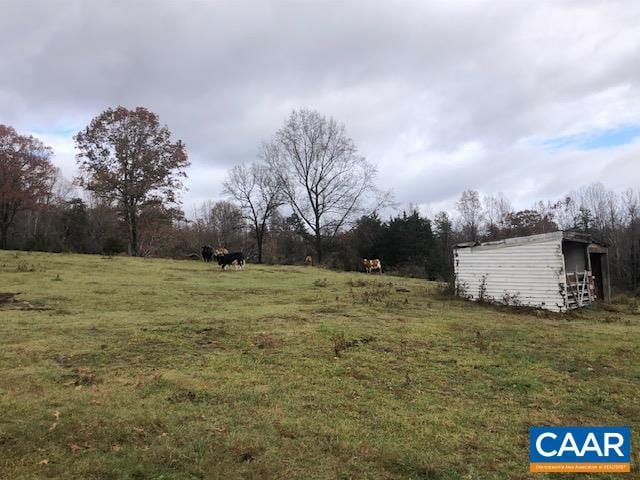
[529,98]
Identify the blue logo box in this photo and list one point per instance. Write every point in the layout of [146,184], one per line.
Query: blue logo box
[580,445]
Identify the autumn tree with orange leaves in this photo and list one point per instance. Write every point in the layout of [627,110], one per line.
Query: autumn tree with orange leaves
[128,157]
[26,176]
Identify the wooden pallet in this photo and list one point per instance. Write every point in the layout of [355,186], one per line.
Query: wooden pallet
[581,289]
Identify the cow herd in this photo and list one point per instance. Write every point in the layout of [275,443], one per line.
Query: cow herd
[225,259]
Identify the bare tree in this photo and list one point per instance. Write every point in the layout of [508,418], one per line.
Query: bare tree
[323,178]
[471,216]
[227,223]
[566,212]
[128,157]
[594,198]
[26,176]
[259,192]
[496,211]
[630,206]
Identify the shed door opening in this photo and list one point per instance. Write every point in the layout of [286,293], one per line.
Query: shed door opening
[596,270]
[575,256]
[580,286]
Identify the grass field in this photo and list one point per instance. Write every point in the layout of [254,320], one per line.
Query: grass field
[130,368]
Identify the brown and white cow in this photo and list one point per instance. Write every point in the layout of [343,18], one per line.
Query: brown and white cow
[308,260]
[372,265]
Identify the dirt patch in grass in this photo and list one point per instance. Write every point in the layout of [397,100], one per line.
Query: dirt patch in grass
[79,377]
[8,297]
[8,301]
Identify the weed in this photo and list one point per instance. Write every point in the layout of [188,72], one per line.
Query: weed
[374,294]
[186,395]
[23,267]
[461,289]
[264,341]
[615,319]
[245,453]
[404,363]
[340,343]
[481,341]
[482,290]
[511,299]
[79,377]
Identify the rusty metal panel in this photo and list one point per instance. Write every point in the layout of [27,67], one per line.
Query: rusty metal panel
[527,273]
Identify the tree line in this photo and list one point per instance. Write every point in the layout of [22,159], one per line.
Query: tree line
[308,192]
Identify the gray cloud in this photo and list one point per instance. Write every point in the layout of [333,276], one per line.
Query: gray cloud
[442,96]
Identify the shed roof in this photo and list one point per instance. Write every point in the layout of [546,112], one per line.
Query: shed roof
[539,238]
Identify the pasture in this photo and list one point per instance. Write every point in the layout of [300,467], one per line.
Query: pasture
[117,368]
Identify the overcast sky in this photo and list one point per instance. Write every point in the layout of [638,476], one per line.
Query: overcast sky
[528,98]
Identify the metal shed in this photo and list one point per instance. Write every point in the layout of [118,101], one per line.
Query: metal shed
[557,271]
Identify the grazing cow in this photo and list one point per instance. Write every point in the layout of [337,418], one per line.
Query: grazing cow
[207,253]
[235,258]
[309,260]
[372,265]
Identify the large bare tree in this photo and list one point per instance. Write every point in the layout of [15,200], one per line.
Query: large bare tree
[127,157]
[496,211]
[258,190]
[470,210]
[323,178]
[26,176]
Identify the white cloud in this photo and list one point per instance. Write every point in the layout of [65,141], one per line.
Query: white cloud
[63,148]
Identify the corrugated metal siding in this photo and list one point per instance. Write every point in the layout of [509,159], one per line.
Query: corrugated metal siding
[532,273]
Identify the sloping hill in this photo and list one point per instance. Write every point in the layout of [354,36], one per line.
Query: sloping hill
[134,368]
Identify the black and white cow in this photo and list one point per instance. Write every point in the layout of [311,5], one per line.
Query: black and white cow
[235,258]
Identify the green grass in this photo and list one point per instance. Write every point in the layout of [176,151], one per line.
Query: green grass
[117,368]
